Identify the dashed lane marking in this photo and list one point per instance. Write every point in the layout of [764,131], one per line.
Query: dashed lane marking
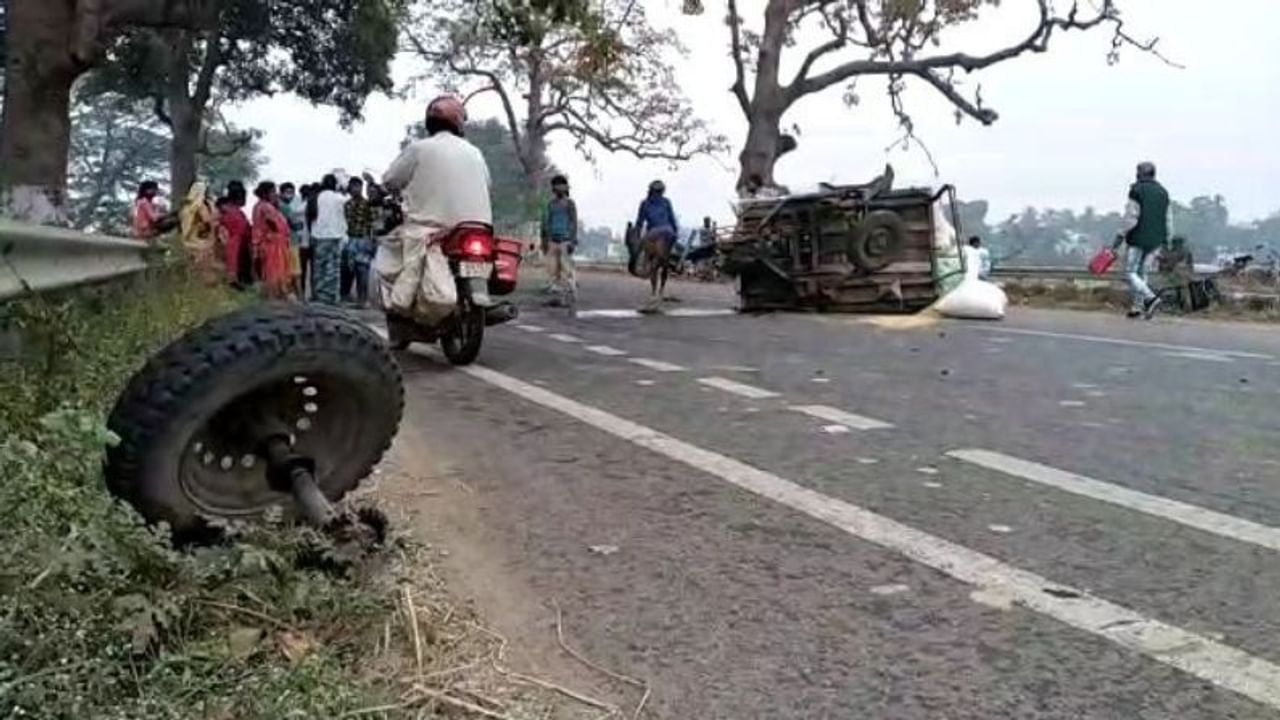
[836,415]
[1132,343]
[606,350]
[1197,655]
[750,392]
[658,365]
[561,337]
[1210,521]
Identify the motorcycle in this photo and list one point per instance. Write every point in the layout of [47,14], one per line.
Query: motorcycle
[484,267]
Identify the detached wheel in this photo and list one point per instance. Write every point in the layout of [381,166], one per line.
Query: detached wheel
[461,342]
[190,421]
[877,240]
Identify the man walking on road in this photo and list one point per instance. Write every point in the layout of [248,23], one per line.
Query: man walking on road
[1146,230]
[560,237]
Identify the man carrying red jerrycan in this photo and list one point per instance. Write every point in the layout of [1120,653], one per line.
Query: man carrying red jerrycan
[1145,230]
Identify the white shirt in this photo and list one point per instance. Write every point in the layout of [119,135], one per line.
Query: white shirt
[331,216]
[443,180]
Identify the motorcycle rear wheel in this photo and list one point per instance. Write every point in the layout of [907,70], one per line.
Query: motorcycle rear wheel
[461,342]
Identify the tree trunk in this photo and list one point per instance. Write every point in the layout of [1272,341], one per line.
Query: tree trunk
[534,150]
[186,114]
[765,141]
[183,147]
[35,134]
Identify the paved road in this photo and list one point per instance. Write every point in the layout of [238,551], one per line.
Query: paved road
[1058,516]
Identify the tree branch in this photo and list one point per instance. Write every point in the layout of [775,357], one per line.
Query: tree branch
[209,67]
[1036,41]
[157,108]
[449,58]
[841,39]
[739,86]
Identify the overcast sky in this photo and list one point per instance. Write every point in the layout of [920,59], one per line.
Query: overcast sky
[1070,132]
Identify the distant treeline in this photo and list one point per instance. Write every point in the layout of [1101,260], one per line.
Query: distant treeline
[1050,237]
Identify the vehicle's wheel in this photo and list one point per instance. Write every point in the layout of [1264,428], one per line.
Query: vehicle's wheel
[877,240]
[461,342]
[399,333]
[186,450]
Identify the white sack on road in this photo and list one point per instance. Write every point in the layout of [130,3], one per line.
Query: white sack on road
[974,299]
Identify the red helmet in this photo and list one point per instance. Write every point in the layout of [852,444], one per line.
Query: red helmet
[449,109]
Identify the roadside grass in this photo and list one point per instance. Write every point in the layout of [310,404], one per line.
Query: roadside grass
[99,616]
[1111,298]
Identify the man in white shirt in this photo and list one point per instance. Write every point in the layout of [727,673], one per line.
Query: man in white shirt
[980,256]
[443,179]
[327,215]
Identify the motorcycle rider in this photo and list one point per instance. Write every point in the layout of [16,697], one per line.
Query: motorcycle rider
[443,180]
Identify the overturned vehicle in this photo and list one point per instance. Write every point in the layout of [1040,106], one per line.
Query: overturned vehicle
[849,248]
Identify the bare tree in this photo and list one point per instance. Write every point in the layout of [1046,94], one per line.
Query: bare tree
[602,79]
[897,40]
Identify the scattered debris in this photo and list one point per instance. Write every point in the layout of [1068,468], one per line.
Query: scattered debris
[646,383]
[994,597]
[1072,403]
[927,470]
[885,590]
[867,461]
[1002,529]
[1063,593]
[933,485]
[605,550]
[835,429]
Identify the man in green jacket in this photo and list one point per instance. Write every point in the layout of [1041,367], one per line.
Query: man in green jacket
[1145,230]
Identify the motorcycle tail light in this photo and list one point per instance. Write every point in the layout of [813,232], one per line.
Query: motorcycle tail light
[477,244]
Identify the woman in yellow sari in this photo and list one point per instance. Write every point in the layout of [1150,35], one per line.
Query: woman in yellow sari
[199,222]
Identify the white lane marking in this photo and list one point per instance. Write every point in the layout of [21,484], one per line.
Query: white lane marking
[606,350]
[836,415]
[532,328]
[750,392]
[1072,403]
[1214,662]
[1207,357]
[561,337]
[626,314]
[587,314]
[1210,521]
[658,365]
[701,312]
[1132,343]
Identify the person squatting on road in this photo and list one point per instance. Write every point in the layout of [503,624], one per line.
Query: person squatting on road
[1145,230]
[560,237]
[328,221]
[982,256]
[1177,270]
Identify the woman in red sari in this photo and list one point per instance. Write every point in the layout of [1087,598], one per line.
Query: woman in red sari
[271,242]
[236,236]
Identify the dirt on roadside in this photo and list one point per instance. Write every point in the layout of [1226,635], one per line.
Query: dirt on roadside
[500,636]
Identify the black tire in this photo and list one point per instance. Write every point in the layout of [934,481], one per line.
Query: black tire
[877,241]
[461,343]
[318,369]
[399,333]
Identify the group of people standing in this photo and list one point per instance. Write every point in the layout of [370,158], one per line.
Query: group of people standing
[310,243]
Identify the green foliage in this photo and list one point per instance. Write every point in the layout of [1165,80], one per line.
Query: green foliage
[99,616]
[1051,237]
[117,142]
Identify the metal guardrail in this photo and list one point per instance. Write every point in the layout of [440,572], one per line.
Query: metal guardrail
[39,258]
